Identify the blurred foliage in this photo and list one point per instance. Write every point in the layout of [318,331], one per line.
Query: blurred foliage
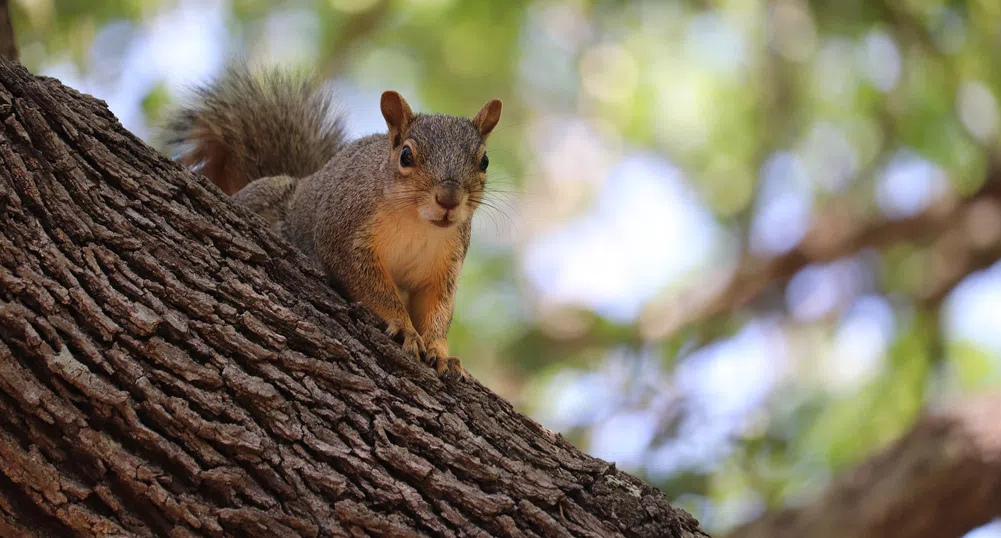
[723,90]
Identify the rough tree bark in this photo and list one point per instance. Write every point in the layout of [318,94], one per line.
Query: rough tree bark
[169,367]
[941,480]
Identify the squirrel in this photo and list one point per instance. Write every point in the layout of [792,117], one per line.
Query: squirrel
[387,216]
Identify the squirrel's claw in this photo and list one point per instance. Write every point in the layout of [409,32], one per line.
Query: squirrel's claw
[431,357]
[450,368]
[412,342]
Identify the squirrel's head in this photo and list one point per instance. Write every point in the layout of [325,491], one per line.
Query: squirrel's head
[438,163]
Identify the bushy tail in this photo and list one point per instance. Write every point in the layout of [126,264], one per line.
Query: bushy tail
[252,124]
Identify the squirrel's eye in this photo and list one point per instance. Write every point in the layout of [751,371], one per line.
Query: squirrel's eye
[484,162]
[406,157]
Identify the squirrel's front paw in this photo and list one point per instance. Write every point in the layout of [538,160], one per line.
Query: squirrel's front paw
[404,333]
[448,367]
[451,368]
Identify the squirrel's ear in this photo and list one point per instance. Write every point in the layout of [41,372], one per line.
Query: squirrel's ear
[397,113]
[488,116]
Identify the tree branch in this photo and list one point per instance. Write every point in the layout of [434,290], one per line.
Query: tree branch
[352,30]
[942,479]
[171,367]
[8,41]
[965,231]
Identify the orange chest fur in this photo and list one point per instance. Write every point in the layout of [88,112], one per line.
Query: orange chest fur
[416,254]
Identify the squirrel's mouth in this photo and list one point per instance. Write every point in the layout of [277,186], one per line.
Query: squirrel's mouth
[442,219]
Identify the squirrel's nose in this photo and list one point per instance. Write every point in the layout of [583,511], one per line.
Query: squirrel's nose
[448,198]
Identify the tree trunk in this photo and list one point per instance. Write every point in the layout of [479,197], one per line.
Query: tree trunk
[941,480]
[169,367]
[8,41]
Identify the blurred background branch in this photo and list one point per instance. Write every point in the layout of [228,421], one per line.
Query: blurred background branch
[963,233]
[8,43]
[941,479]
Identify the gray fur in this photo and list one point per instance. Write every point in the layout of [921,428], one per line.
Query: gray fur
[252,124]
